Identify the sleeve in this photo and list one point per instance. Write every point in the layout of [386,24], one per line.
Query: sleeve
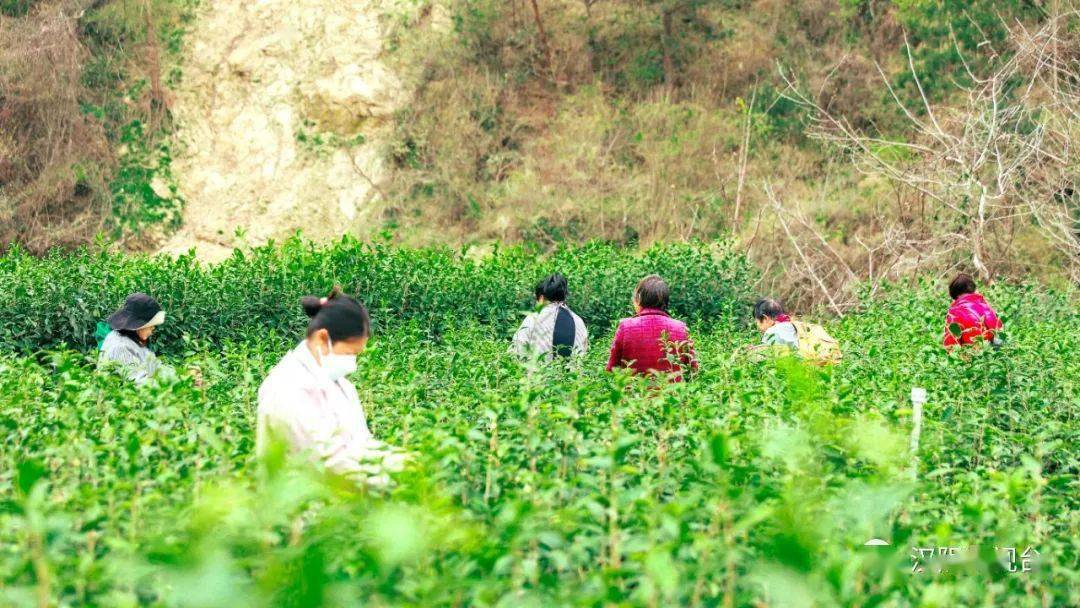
[768,337]
[139,373]
[307,432]
[165,372]
[520,344]
[583,339]
[154,369]
[615,357]
[950,340]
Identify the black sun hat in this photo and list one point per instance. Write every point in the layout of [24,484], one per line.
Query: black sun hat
[139,311]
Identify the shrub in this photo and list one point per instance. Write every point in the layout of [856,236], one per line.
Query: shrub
[755,484]
[60,297]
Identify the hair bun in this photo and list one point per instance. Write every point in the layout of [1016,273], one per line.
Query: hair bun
[312,305]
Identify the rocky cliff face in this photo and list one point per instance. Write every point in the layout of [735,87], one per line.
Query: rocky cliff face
[279,115]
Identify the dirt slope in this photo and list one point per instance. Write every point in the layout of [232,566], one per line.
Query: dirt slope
[279,111]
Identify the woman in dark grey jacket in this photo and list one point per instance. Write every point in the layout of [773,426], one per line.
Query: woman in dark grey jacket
[126,346]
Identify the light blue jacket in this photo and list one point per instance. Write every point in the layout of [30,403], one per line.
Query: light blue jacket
[782,334]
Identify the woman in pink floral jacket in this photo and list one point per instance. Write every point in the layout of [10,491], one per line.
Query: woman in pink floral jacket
[970,318]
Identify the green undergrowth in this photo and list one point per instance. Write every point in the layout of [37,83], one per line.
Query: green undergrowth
[756,483]
[131,46]
[60,297]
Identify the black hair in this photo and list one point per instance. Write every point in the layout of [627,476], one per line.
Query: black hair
[767,307]
[553,288]
[340,315]
[652,292]
[133,335]
[963,283]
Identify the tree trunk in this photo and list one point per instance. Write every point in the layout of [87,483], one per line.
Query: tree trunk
[545,48]
[158,102]
[666,42]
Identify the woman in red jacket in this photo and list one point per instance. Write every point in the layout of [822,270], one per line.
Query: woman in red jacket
[970,318]
[651,341]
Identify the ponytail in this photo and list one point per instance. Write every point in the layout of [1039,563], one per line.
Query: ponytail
[340,315]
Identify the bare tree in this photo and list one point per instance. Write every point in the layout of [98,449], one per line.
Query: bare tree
[973,175]
[545,46]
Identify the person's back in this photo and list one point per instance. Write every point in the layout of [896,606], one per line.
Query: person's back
[781,334]
[775,325]
[136,360]
[126,345]
[555,330]
[815,345]
[651,341]
[970,318]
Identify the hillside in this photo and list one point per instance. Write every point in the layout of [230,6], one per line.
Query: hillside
[335,381]
[840,141]
[280,114]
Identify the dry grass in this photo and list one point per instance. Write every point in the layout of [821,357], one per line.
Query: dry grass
[598,147]
[600,142]
[74,75]
[53,188]
[625,120]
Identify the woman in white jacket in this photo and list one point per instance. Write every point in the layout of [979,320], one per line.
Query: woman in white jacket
[308,402]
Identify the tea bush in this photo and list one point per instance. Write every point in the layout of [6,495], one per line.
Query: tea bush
[60,297]
[756,483]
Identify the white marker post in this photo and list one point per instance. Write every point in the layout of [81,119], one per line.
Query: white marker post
[918,398]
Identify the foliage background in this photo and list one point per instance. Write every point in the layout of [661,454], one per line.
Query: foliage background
[60,297]
[639,121]
[756,483]
[545,123]
[85,121]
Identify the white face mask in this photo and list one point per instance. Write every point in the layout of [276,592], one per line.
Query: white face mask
[337,366]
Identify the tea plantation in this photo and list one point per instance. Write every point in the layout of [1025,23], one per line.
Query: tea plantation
[756,483]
